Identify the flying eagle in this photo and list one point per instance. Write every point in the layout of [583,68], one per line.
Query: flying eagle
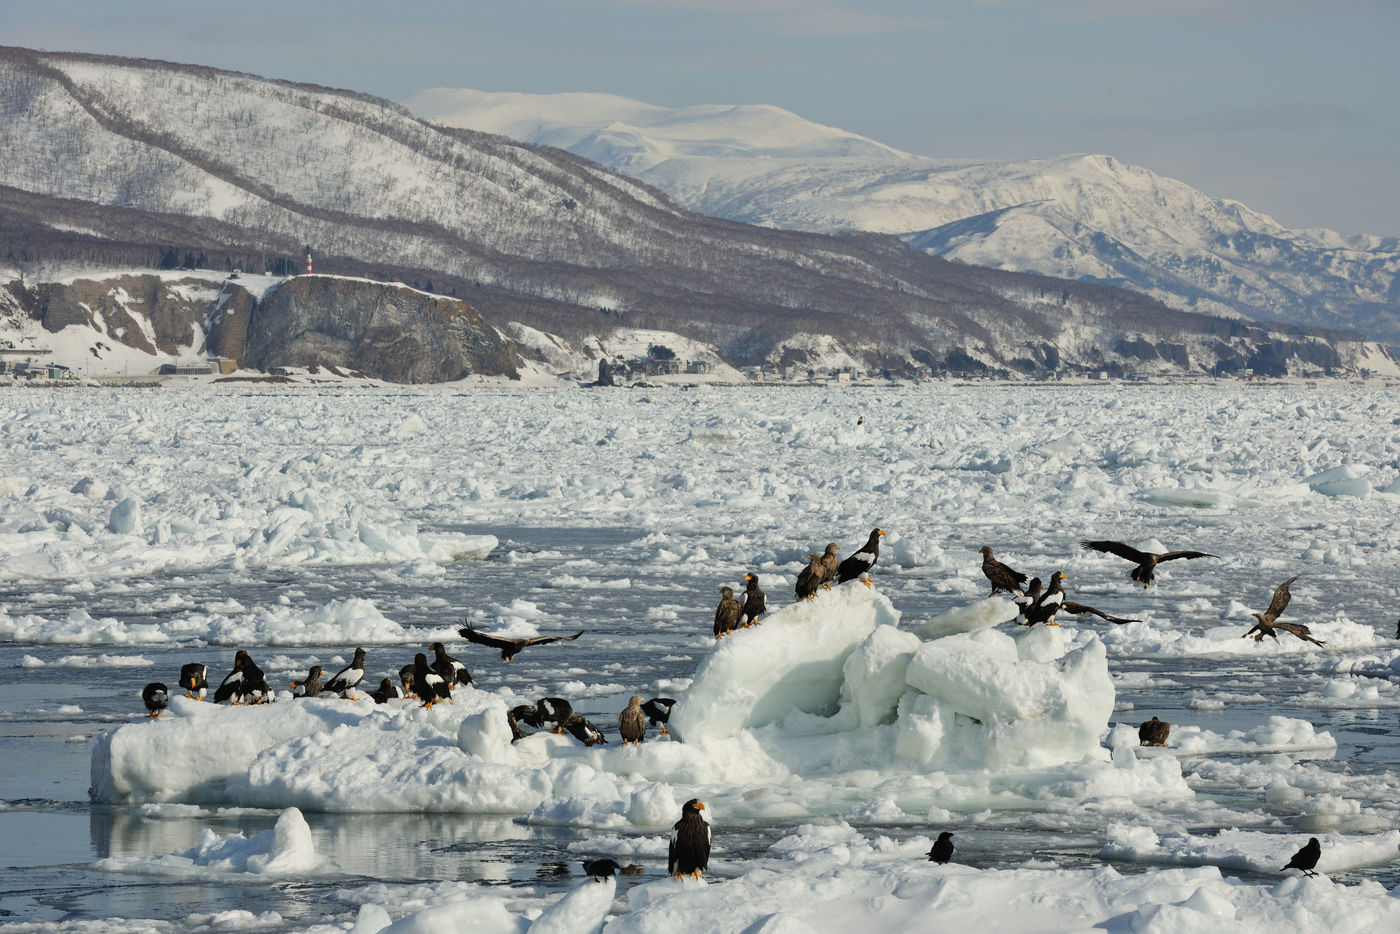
[1144,560]
[1001,576]
[1266,625]
[510,647]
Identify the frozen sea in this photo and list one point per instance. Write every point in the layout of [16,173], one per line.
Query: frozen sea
[142,529]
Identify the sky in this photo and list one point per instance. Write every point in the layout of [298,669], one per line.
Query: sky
[1288,106]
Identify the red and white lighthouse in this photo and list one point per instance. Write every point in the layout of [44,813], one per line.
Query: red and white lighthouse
[308,262]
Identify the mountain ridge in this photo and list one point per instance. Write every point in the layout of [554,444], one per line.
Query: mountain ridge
[1188,249]
[128,162]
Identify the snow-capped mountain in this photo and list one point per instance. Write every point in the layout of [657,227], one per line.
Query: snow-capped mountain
[120,163]
[1086,217]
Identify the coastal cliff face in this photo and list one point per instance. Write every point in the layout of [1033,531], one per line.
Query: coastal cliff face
[375,329]
[390,332]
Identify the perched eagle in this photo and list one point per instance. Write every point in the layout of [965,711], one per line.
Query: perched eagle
[452,671]
[1040,606]
[511,647]
[1266,625]
[194,678]
[1144,560]
[689,852]
[1001,576]
[156,697]
[727,613]
[1153,733]
[430,686]
[309,686]
[348,677]
[239,685]
[862,561]
[809,579]
[386,691]
[658,711]
[831,565]
[553,710]
[755,602]
[632,722]
[1042,609]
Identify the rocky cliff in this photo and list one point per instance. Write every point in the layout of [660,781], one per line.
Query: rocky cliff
[382,330]
[392,332]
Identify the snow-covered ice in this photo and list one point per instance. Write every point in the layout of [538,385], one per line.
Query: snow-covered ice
[830,744]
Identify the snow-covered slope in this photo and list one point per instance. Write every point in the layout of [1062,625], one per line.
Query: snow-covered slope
[133,162]
[1087,217]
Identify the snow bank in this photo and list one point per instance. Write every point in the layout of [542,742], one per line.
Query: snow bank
[831,880]
[1248,850]
[808,713]
[349,620]
[283,850]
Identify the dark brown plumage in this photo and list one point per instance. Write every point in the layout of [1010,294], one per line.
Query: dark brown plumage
[1306,858]
[830,565]
[689,852]
[1267,625]
[1001,576]
[755,602]
[632,722]
[513,721]
[942,849]
[862,561]
[309,686]
[1153,733]
[727,613]
[809,579]
[1079,609]
[386,691]
[511,647]
[1145,561]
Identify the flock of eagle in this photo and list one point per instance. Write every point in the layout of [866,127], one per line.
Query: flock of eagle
[690,844]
